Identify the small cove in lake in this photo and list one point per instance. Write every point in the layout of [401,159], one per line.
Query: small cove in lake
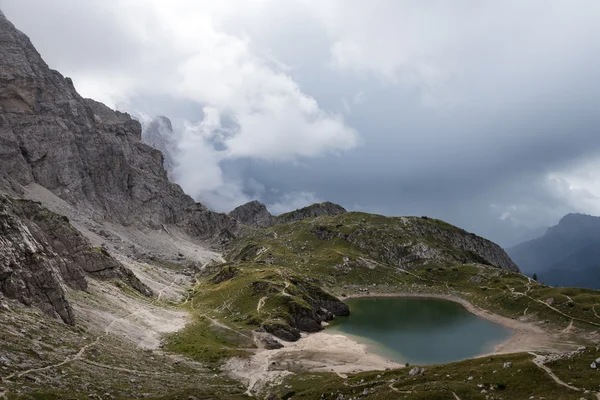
[418,330]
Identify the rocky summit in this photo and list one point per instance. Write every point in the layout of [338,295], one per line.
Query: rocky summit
[253,213]
[115,284]
[84,152]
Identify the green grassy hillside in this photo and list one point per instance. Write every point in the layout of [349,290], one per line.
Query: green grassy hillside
[274,275]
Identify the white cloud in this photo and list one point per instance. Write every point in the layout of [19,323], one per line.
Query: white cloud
[182,50]
[578,186]
[462,51]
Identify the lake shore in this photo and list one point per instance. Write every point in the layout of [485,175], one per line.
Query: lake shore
[341,354]
[526,336]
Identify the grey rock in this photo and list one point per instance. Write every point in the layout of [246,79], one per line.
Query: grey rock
[413,371]
[507,364]
[254,214]
[40,253]
[84,152]
[270,343]
[314,210]
[593,365]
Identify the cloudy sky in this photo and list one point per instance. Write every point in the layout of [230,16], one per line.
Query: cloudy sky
[482,113]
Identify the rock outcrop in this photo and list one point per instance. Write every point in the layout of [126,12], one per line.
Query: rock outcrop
[159,134]
[40,253]
[254,214]
[84,152]
[314,210]
[413,241]
[304,307]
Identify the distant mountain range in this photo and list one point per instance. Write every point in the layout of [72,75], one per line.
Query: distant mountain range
[568,254]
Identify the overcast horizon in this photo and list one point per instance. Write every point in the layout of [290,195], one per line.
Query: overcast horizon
[483,114]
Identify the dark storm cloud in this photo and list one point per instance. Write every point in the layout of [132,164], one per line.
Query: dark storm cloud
[483,114]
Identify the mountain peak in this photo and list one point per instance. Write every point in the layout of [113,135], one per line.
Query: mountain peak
[84,152]
[253,213]
[577,218]
[313,210]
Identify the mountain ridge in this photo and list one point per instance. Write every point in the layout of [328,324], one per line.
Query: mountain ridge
[119,297]
[562,257]
[84,152]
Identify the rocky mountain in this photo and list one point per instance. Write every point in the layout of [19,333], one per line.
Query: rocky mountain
[84,152]
[314,210]
[253,213]
[41,253]
[114,295]
[158,134]
[566,255]
[405,242]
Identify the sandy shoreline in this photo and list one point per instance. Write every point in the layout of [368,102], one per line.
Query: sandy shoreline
[527,336]
[341,354]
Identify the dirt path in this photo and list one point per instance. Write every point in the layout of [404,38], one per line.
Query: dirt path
[162,291]
[539,361]
[595,312]
[72,358]
[223,326]
[82,350]
[455,395]
[512,291]
[562,313]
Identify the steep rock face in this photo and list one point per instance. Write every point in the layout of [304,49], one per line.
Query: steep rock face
[307,307]
[159,134]
[314,210]
[83,151]
[40,253]
[254,214]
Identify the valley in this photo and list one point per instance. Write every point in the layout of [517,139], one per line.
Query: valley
[115,284]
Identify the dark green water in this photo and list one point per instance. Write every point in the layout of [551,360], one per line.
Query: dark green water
[418,330]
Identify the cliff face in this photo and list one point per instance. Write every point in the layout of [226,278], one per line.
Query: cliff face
[83,151]
[254,214]
[40,253]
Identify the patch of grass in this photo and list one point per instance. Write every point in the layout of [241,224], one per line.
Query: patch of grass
[576,369]
[206,342]
[470,379]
